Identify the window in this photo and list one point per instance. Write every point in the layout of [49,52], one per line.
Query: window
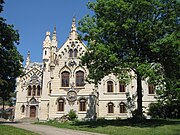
[151,88]
[29,90]
[79,78]
[22,108]
[75,53]
[82,104]
[122,107]
[65,79]
[122,87]
[49,88]
[61,104]
[109,86]
[70,53]
[38,90]
[45,52]
[34,90]
[110,107]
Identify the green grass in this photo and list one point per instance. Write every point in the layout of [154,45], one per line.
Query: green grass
[9,130]
[123,127]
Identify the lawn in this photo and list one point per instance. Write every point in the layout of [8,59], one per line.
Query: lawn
[9,130]
[123,127]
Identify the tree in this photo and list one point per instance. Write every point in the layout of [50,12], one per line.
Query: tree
[10,59]
[123,36]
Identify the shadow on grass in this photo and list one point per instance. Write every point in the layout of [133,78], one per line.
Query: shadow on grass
[127,122]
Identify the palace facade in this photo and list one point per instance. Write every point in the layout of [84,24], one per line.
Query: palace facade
[52,88]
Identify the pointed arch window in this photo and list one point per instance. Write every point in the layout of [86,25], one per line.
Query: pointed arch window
[122,107]
[110,107]
[22,109]
[70,53]
[122,87]
[38,90]
[82,104]
[79,78]
[65,79]
[75,52]
[61,105]
[50,88]
[29,90]
[34,90]
[109,86]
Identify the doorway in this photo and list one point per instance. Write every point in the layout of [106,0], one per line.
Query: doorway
[32,112]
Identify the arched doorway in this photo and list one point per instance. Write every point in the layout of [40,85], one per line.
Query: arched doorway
[32,112]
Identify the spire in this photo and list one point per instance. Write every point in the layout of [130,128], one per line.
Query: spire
[73,27]
[73,34]
[48,36]
[27,59]
[54,34]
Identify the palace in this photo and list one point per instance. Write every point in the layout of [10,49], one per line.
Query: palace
[52,88]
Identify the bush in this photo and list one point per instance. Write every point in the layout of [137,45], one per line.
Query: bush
[164,110]
[72,115]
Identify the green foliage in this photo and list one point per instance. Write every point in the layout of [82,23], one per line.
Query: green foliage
[10,59]
[124,127]
[10,130]
[72,115]
[133,35]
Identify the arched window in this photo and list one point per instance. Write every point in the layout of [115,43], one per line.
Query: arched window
[45,52]
[82,104]
[38,90]
[110,107]
[29,90]
[122,107]
[22,108]
[109,86]
[61,105]
[70,53]
[122,87]
[50,88]
[75,52]
[34,90]
[151,88]
[65,79]
[79,78]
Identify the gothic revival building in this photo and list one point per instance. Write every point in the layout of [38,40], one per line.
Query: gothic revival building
[51,89]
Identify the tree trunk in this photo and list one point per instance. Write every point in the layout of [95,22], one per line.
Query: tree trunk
[3,102]
[139,96]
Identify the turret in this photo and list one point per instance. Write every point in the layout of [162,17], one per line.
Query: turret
[54,39]
[28,60]
[73,33]
[46,46]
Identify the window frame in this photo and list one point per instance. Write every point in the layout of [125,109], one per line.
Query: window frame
[82,104]
[65,78]
[61,105]
[110,86]
[79,79]
[122,107]
[122,87]
[110,107]
[151,89]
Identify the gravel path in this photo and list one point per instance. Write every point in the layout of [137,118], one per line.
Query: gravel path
[49,130]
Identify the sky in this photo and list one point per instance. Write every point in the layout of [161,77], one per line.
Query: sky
[33,18]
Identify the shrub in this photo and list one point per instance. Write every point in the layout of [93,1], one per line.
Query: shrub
[72,115]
